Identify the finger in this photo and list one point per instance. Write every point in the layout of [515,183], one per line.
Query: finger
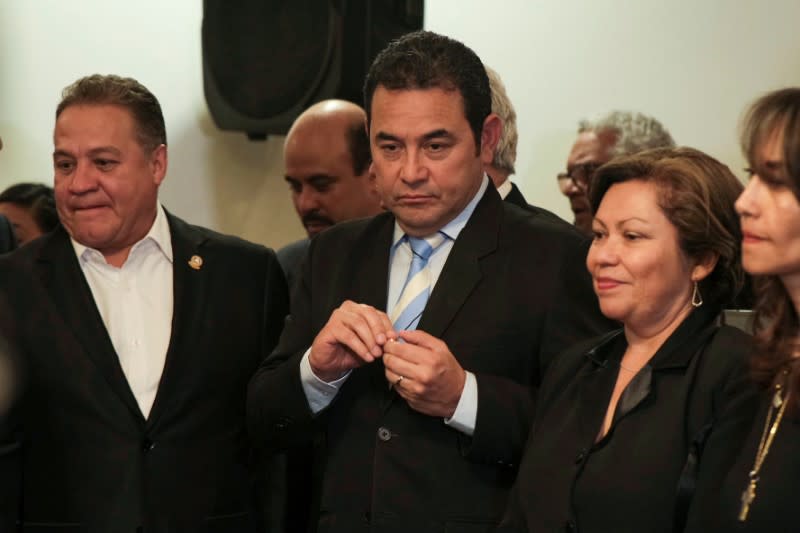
[421,338]
[357,320]
[402,366]
[387,326]
[407,352]
[393,379]
[348,338]
[378,322]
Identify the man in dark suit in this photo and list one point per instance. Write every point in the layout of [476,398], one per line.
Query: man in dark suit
[326,155]
[138,334]
[420,427]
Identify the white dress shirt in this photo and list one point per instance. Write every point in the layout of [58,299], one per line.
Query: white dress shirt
[320,393]
[135,303]
[504,188]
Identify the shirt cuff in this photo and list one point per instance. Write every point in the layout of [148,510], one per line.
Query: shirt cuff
[318,393]
[466,412]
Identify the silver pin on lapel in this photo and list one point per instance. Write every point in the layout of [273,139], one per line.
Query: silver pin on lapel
[196,262]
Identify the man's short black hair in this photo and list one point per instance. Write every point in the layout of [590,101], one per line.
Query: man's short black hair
[128,93]
[426,60]
[358,142]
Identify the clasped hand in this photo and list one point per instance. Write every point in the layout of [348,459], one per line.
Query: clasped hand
[357,334]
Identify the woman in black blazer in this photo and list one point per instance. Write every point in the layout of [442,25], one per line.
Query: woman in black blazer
[762,490]
[626,423]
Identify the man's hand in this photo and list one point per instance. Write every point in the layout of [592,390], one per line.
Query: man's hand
[432,380]
[354,335]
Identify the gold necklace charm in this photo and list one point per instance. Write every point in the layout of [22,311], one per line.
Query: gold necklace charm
[767,436]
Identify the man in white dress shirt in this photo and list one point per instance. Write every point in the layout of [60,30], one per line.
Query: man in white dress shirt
[138,333]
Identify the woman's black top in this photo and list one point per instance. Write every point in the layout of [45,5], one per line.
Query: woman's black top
[663,441]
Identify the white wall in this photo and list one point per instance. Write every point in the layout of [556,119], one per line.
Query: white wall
[694,64]
[217,179]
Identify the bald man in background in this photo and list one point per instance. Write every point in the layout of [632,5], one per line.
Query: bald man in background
[326,155]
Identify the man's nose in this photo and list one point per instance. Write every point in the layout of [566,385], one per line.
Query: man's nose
[307,201]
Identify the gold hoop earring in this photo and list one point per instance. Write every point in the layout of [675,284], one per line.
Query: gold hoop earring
[697,298]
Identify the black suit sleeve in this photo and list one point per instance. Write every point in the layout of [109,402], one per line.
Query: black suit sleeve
[575,315]
[505,407]
[276,304]
[11,385]
[278,413]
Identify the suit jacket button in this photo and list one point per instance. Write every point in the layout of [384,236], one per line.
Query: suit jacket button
[148,445]
[384,434]
[570,526]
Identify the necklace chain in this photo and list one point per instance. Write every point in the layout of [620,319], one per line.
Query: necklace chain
[778,402]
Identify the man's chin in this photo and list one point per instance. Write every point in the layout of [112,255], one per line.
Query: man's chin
[315,229]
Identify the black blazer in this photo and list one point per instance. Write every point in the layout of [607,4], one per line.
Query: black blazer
[694,396]
[89,460]
[513,292]
[515,197]
[291,258]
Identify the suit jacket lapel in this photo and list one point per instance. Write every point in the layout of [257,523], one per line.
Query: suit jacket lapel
[371,261]
[370,283]
[462,270]
[595,383]
[64,281]
[515,197]
[189,292]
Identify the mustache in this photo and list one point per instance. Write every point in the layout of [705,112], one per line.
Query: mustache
[315,218]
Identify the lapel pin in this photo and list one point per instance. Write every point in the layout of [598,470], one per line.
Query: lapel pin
[196,262]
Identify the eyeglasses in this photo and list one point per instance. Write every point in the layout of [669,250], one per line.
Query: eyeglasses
[579,176]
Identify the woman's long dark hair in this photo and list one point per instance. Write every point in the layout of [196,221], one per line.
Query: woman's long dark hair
[775,115]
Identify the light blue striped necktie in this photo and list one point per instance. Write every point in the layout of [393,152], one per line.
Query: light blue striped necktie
[409,308]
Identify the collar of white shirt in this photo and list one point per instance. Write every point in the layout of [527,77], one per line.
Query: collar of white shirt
[159,234]
[504,188]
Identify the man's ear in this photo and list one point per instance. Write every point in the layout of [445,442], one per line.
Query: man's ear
[158,163]
[490,136]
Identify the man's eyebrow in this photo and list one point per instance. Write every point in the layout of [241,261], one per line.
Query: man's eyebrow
[93,152]
[105,149]
[314,178]
[436,134]
[383,136]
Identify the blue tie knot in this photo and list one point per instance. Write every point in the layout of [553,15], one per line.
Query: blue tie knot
[408,309]
[420,247]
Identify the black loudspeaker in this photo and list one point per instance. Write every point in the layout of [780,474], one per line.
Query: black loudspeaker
[265,61]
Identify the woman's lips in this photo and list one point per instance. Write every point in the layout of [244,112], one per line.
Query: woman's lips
[604,284]
[751,238]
